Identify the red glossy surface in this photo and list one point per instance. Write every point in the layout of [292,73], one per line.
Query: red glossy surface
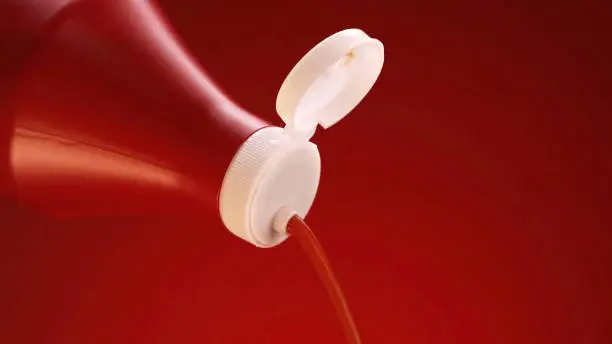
[108,103]
[474,178]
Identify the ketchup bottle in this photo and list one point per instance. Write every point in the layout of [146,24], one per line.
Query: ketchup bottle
[103,111]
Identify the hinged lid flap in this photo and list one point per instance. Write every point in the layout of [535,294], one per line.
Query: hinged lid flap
[329,81]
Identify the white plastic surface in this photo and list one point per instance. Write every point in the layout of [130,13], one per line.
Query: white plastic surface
[329,81]
[276,172]
[268,173]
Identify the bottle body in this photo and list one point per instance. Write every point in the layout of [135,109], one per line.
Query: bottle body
[109,113]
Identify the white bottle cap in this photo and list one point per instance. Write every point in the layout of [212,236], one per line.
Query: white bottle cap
[275,173]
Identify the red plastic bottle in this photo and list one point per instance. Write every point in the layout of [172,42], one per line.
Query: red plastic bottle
[101,97]
[104,112]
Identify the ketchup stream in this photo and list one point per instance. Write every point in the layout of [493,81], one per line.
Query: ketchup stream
[309,243]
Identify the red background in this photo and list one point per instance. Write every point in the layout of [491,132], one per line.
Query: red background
[465,200]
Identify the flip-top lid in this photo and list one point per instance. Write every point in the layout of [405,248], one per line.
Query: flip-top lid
[329,81]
